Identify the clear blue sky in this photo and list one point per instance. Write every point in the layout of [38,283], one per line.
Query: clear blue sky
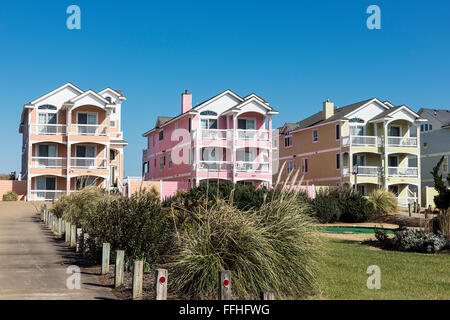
[294,54]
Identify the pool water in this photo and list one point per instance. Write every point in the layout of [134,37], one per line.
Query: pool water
[351,230]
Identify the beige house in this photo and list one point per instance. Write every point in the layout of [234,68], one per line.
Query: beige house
[369,144]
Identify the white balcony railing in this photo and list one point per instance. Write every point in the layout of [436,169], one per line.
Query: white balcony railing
[216,134]
[367,141]
[215,166]
[248,166]
[402,172]
[48,162]
[257,135]
[48,129]
[46,195]
[402,141]
[369,171]
[90,130]
[88,163]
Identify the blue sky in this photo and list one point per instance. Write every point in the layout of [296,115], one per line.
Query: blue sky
[295,54]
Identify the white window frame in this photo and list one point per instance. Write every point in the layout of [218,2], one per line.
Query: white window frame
[288,137]
[87,116]
[399,130]
[246,119]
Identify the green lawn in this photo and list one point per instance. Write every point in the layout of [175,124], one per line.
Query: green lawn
[403,275]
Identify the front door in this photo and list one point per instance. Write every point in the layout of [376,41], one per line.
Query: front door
[393,161]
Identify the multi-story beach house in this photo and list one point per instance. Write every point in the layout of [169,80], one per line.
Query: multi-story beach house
[225,138]
[71,139]
[434,143]
[369,144]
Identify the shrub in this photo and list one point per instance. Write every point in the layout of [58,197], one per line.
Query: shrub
[415,241]
[136,225]
[356,208]
[271,248]
[327,208]
[383,201]
[75,207]
[10,196]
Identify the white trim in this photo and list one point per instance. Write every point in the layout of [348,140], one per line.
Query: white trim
[68,84]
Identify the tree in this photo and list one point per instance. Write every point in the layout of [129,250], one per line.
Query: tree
[442,200]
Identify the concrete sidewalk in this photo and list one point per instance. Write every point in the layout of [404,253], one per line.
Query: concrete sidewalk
[33,263]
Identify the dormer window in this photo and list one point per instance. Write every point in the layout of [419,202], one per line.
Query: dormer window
[47,107]
[108,99]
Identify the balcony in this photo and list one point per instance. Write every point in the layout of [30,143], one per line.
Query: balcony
[216,134]
[48,162]
[369,171]
[248,166]
[90,130]
[255,135]
[46,195]
[48,129]
[363,141]
[402,141]
[403,172]
[215,166]
[88,163]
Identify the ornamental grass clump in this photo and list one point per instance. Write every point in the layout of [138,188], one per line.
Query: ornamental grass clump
[272,248]
[383,201]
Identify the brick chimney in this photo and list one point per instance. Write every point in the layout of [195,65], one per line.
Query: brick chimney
[186,102]
[328,109]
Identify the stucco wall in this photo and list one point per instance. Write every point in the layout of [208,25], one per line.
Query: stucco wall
[19,187]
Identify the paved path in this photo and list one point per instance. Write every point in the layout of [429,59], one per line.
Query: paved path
[33,263]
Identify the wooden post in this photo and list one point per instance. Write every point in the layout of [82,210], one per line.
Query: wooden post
[67,232]
[79,240]
[267,295]
[73,235]
[409,209]
[225,285]
[105,258]
[138,271]
[45,216]
[161,284]
[85,244]
[120,263]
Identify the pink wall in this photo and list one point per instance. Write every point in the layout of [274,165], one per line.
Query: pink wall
[19,187]
[164,188]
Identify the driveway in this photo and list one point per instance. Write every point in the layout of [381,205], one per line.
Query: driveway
[33,263]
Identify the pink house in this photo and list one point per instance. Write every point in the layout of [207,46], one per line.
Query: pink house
[226,137]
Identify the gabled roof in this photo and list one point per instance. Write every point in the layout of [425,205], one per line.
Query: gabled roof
[243,101]
[89,93]
[317,118]
[441,115]
[119,93]
[68,84]
[389,112]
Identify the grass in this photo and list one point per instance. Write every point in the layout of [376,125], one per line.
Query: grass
[404,275]
[351,230]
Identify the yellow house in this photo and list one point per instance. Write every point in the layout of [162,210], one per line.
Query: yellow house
[369,144]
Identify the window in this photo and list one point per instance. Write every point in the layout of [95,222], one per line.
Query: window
[338,161]
[421,127]
[45,183]
[359,160]
[445,165]
[208,123]
[289,166]
[356,130]
[288,140]
[161,135]
[47,107]
[315,135]
[162,162]
[246,124]
[430,127]
[46,151]
[426,127]
[170,161]
[190,124]
[394,131]
[393,161]
[112,124]
[304,165]
[108,99]
[338,132]
[208,113]
[145,169]
[112,155]
[85,152]
[83,182]
[86,118]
